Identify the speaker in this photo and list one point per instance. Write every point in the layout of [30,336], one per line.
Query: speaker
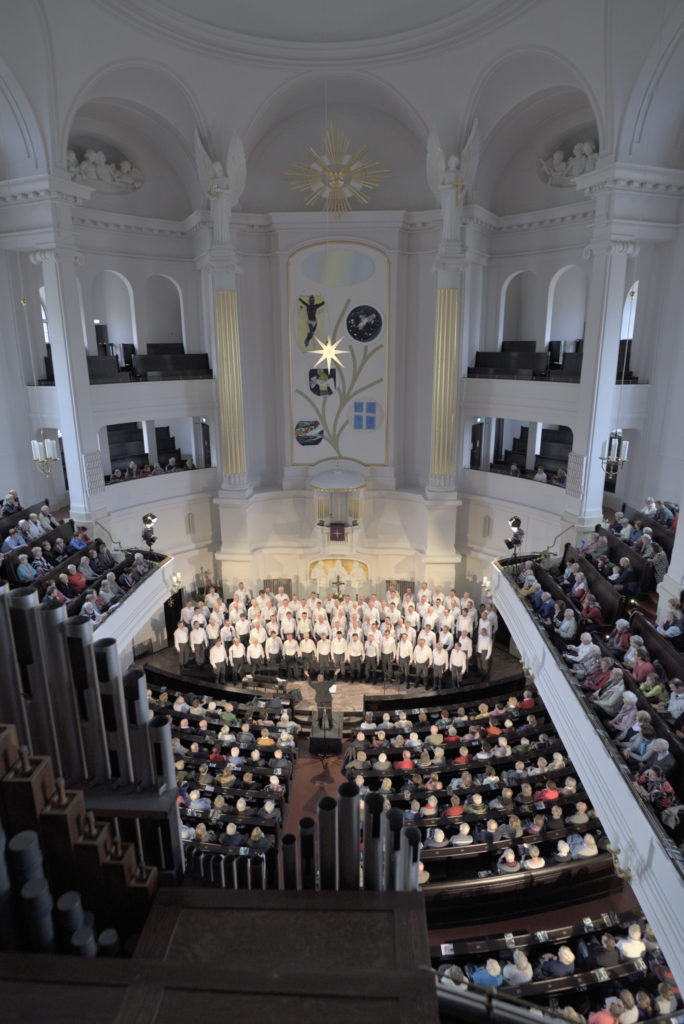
[295,696]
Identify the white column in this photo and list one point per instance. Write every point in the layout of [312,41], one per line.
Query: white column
[72,385]
[150,439]
[599,367]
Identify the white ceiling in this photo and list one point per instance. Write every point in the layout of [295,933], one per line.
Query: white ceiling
[323,22]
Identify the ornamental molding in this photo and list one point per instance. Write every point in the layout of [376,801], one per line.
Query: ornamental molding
[610,247]
[49,187]
[633,178]
[56,255]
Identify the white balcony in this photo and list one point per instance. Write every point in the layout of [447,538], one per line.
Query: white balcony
[656,866]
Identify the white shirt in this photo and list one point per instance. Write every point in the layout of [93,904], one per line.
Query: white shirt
[274,646]
[484,645]
[339,646]
[355,649]
[198,636]
[372,649]
[388,645]
[440,657]
[323,647]
[405,649]
[466,645]
[290,647]
[307,646]
[255,652]
[227,633]
[422,654]
[180,636]
[217,655]
[458,659]
[236,652]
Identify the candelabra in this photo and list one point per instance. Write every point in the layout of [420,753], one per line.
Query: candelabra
[45,454]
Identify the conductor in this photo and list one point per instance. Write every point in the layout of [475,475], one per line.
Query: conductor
[323,691]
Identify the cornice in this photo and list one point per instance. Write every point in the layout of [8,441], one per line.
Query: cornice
[633,178]
[43,187]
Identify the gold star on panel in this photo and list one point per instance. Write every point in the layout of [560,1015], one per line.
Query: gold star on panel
[329,352]
[337,175]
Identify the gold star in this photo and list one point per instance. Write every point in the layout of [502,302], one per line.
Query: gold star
[329,352]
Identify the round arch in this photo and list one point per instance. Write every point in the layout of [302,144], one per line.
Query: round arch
[566,305]
[517,307]
[114,302]
[23,152]
[164,310]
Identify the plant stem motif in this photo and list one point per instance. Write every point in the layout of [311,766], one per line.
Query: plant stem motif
[344,394]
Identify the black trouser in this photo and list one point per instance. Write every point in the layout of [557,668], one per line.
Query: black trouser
[324,663]
[183,654]
[437,676]
[404,669]
[238,668]
[421,673]
[483,663]
[338,661]
[386,663]
[308,662]
[290,666]
[256,665]
[220,672]
[455,676]
[198,651]
[355,667]
[370,666]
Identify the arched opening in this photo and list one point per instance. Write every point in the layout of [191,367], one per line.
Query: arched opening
[164,309]
[114,309]
[565,311]
[516,316]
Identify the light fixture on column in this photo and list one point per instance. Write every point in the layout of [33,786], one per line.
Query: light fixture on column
[614,452]
[45,454]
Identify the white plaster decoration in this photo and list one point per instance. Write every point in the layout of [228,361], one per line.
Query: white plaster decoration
[575,477]
[223,183]
[93,169]
[561,173]
[38,189]
[94,475]
[611,248]
[451,182]
[633,178]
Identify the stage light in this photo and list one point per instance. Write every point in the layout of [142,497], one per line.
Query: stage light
[515,522]
[148,537]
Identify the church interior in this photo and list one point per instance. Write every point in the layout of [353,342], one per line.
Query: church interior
[286,569]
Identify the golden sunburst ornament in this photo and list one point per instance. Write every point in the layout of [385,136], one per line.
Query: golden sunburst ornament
[337,175]
[329,352]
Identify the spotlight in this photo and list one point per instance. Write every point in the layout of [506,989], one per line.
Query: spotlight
[515,541]
[148,537]
[515,522]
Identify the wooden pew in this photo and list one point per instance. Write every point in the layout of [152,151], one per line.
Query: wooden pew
[642,567]
[612,603]
[499,896]
[661,534]
[7,522]
[169,367]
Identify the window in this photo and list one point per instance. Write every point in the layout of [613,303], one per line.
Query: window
[364,415]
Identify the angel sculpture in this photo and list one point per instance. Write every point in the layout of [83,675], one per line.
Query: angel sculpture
[223,186]
[451,180]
